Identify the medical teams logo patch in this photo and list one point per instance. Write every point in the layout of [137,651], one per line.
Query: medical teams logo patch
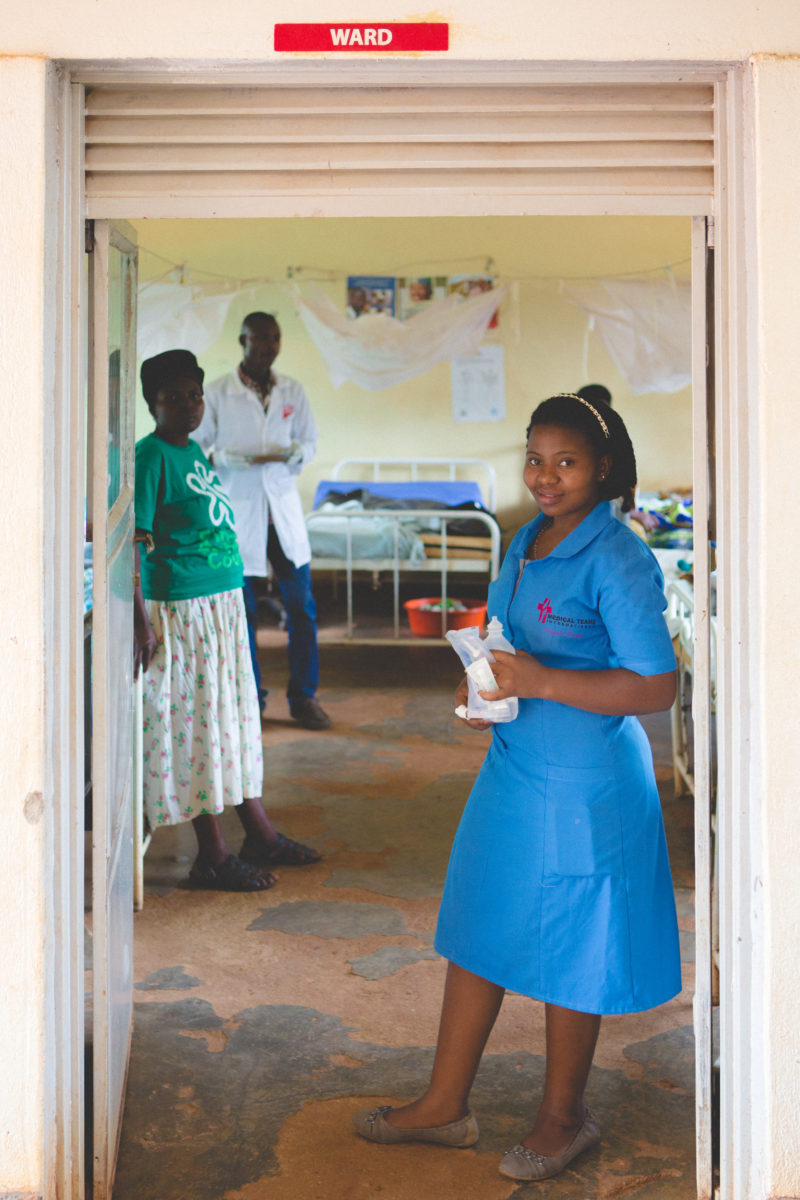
[561,626]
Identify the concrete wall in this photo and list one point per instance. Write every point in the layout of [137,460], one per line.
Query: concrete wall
[542,333]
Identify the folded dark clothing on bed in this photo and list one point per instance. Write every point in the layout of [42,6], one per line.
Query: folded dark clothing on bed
[370,500]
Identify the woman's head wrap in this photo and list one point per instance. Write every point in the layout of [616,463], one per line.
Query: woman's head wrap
[172,364]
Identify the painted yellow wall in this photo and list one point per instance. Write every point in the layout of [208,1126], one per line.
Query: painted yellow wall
[542,333]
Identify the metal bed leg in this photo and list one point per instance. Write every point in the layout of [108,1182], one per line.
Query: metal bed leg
[396,578]
[349,582]
[444,576]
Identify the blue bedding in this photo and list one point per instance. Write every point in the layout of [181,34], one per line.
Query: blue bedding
[451,492]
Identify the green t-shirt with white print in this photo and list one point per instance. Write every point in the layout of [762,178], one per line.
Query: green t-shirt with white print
[180,501]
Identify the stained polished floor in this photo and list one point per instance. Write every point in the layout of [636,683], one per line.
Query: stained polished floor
[263,1021]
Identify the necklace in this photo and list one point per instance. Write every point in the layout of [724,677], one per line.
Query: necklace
[533,552]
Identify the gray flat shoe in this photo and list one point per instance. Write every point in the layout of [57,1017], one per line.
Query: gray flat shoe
[519,1162]
[371,1123]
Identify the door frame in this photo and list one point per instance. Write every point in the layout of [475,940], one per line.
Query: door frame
[740,553]
[113,805]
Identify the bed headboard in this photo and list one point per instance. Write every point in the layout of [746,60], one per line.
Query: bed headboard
[450,468]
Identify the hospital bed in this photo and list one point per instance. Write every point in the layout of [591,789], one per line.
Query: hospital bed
[680,619]
[436,520]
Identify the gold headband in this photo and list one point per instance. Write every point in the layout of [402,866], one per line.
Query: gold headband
[591,407]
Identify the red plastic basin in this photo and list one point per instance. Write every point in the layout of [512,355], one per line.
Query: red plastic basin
[425,623]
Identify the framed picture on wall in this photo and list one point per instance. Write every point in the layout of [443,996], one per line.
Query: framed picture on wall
[414,295]
[472,285]
[370,294]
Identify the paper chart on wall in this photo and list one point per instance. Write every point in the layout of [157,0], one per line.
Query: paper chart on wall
[478,386]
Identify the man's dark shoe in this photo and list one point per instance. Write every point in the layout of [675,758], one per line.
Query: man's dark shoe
[309,713]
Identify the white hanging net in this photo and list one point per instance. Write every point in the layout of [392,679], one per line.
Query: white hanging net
[379,351]
[171,315]
[646,326]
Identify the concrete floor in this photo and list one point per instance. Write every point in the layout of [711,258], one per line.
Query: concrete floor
[264,1020]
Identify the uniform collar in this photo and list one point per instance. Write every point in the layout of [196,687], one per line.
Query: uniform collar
[591,525]
[253,385]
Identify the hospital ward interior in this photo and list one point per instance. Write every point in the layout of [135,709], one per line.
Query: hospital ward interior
[263,1020]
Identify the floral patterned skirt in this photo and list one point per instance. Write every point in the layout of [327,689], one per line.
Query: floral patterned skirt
[202,726]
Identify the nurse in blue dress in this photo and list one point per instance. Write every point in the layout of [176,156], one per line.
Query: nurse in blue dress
[559,885]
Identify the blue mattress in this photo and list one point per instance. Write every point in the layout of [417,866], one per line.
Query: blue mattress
[443,491]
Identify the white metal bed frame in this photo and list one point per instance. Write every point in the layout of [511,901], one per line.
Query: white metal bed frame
[680,616]
[443,566]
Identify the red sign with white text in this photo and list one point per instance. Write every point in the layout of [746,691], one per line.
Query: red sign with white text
[421,35]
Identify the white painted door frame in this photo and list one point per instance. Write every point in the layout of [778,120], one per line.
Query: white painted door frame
[701,712]
[737,454]
[64,421]
[112,332]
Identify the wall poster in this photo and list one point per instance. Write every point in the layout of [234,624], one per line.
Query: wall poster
[472,285]
[414,295]
[370,294]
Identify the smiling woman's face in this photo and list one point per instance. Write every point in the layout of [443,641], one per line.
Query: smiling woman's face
[563,473]
[178,409]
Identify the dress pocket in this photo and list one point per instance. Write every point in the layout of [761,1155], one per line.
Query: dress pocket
[582,828]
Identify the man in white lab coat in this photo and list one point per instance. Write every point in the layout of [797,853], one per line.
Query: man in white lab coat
[259,431]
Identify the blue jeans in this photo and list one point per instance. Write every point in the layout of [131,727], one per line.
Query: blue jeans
[298,600]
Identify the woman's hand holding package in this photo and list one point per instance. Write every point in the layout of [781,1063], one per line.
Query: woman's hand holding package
[517,674]
[614,692]
[461,697]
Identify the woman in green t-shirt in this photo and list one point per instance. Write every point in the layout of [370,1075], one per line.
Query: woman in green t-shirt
[202,725]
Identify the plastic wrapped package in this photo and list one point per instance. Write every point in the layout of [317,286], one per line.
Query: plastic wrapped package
[475,653]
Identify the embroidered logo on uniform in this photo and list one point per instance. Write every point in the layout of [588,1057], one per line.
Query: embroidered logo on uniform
[205,483]
[288,410]
[561,626]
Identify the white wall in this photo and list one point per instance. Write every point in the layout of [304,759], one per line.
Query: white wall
[23,472]
[516,29]
[778,161]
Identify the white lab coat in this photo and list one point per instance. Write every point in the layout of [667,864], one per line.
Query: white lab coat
[235,419]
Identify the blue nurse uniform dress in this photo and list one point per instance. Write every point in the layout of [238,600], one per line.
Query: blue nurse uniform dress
[559,884]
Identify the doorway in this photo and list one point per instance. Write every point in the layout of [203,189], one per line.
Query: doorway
[693,201]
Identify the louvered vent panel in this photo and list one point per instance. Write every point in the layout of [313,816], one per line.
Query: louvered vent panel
[160,151]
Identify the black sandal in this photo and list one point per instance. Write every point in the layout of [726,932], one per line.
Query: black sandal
[232,875]
[283,853]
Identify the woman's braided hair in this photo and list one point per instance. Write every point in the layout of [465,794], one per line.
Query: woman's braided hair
[604,430]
